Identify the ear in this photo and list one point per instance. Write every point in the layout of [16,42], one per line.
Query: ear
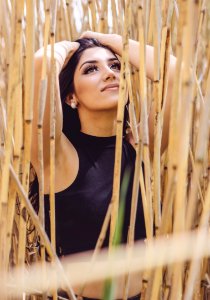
[71,98]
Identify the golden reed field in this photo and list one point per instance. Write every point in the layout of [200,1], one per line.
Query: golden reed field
[174,259]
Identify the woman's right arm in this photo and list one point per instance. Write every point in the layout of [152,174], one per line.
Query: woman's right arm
[62,53]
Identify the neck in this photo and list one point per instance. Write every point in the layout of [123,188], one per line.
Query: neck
[98,123]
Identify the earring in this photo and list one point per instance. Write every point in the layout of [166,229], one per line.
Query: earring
[73,105]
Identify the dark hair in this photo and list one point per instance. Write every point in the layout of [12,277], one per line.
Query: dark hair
[71,122]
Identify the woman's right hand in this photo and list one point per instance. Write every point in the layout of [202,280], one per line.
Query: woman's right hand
[63,51]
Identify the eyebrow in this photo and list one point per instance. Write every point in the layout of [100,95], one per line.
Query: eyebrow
[96,61]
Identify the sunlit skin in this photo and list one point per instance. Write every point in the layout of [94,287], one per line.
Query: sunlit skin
[96,84]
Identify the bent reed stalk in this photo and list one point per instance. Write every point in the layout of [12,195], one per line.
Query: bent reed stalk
[174,184]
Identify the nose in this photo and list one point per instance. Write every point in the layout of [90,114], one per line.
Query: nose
[109,74]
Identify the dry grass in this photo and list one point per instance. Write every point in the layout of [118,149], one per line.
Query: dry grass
[176,190]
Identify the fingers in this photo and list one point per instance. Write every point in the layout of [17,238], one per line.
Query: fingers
[106,39]
[63,51]
[67,46]
[92,34]
[88,34]
[70,51]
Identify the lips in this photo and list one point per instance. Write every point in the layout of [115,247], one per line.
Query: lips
[110,86]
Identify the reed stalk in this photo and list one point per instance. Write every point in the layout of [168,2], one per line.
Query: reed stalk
[52,131]
[103,26]
[114,17]
[86,21]
[136,181]
[28,115]
[173,139]
[121,17]
[52,128]
[119,131]
[92,7]
[66,21]
[157,103]
[144,138]
[144,135]
[184,132]
[160,110]
[41,109]
[29,87]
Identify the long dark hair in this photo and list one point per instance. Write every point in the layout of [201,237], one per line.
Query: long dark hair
[71,122]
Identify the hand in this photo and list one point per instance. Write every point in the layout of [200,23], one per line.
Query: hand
[63,51]
[104,38]
[94,35]
[113,41]
[71,49]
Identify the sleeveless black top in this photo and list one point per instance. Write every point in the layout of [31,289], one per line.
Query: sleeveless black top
[81,208]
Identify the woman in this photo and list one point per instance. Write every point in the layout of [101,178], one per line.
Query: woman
[84,156]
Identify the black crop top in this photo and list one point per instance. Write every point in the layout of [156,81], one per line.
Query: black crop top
[81,208]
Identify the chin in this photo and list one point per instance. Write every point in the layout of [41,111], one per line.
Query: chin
[111,104]
[107,107]
[108,103]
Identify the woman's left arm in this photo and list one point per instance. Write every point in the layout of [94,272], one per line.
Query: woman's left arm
[114,41]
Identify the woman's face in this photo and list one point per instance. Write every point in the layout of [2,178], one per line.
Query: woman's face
[96,80]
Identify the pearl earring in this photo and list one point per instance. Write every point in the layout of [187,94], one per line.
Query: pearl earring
[73,105]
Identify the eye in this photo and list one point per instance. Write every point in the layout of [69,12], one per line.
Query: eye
[90,69]
[116,66]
